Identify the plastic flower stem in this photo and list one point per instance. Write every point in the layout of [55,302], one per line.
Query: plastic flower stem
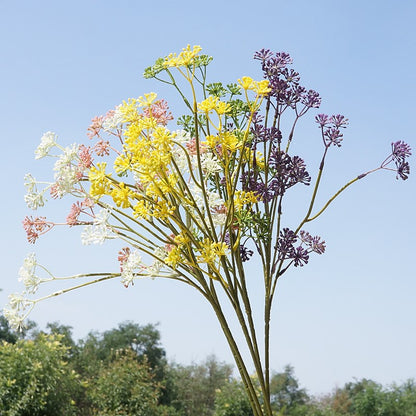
[185,279]
[251,340]
[333,197]
[279,217]
[315,190]
[46,270]
[75,276]
[198,155]
[203,76]
[234,256]
[249,332]
[129,229]
[185,100]
[292,131]
[267,314]
[263,378]
[213,300]
[188,159]
[140,224]
[266,113]
[270,288]
[237,171]
[60,292]
[129,239]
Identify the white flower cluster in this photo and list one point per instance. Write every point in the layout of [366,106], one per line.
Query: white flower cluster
[47,141]
[99,231]
[209,163]
[154,269]
[16,311]
[215,202]
[130,266]
[33,198]
[179,152]
[27,274]
[114,121]
[66,170]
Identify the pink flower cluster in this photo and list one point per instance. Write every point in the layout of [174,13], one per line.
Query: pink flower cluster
[35,227]
[159,111]
[78,208]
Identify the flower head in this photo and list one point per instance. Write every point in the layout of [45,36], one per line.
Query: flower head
[185,58]
[95,127]
[99,230]
[400,151]
[314,243]
[35,227]
[47,141]
[131,263]
[330,127]
[27,273]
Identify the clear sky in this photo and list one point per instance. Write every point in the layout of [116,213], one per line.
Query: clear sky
[349,313]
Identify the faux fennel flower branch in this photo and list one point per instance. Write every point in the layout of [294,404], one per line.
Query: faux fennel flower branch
[199,202]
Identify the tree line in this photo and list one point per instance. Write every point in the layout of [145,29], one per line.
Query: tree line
[124,371]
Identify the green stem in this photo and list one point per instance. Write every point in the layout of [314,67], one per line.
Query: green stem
[315,191]
[248,383]
[331,199]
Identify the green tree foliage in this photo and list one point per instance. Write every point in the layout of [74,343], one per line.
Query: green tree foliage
[232,400]
[124,371]
[368,398]
[287,398]
[125,387]
[35,378]
[55,328]
[98,350]
[286,394]
[144,341]
[196,386]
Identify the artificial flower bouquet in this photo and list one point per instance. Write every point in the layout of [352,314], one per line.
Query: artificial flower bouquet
[195,202]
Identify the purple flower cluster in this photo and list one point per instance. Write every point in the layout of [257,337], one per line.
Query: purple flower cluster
[330,127]
[245,253]
[288,251]
[400,151]
[284,82]
[262,134]
[314,243]
[299,255]
[284,172]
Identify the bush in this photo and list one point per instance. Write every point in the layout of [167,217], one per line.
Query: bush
[35,378]
[125,387]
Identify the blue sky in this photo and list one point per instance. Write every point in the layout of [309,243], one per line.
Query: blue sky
[349,313]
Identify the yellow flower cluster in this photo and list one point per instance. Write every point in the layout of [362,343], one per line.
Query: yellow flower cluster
[259,87]
[148,99]
[129,110]
[242,198]
[185,58]
[146,153]
[227,139]
[174,256]
[213,104]
[121,194]
[210,252]
[99,180]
